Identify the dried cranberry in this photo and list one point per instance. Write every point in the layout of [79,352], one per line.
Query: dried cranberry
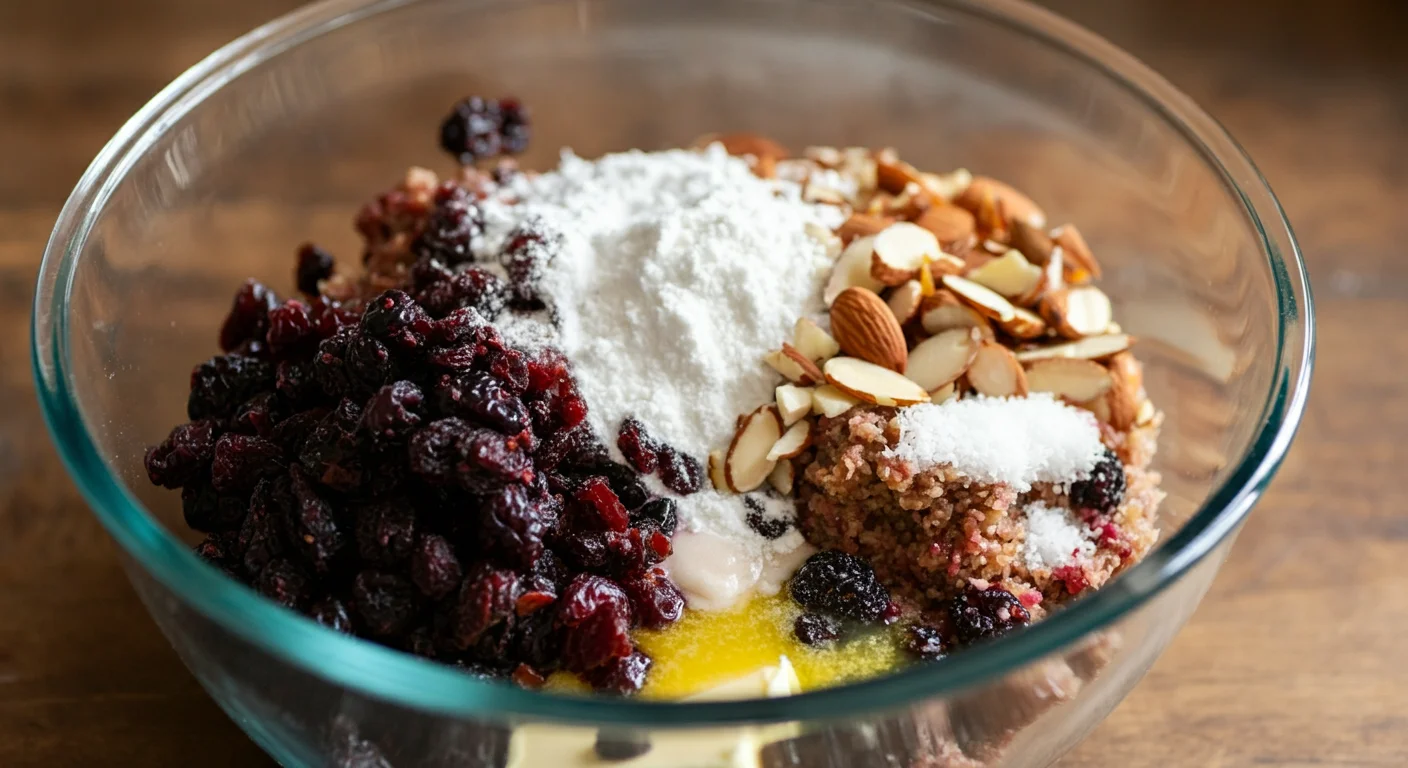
[526,252]
[183,456]
[207,511]
[927,642]
[434,567]
[840,584]
[481,128]
[570,447]
[295,381]
[603,510]
[248,318]
[291,331]
[488,460]
[624,482]
[332,613]
[624,675]
[983,614]
[816,629]
[352,364]
[680,472]
[240,461]
[314,266]
[330,452]
[514,524]
[385,532]
[293,432]
[284,582]
[659,513]
[757,519]
[486,600]
[222,383]
[454,224]
[391,414]
[482,398]
[313,527]
[385,602]
[1104,489]
[259,415]
[637,446]
[395,319]
[474,288]
[545,371]
[656,602]
[595,617]
[261,535]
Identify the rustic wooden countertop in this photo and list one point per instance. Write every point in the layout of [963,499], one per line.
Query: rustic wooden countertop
[1297,656]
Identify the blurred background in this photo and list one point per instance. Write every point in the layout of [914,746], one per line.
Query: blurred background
[1295,658]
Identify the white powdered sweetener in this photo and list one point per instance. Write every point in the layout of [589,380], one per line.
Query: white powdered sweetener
[670,275]
[1054,538]
[1017,441]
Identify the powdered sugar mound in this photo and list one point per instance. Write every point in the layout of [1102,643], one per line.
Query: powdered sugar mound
[1017,440]
[1054,538]
[669,276]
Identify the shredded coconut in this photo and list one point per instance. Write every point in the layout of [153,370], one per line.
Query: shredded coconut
[668,276]
[1054,538]
[1017,441]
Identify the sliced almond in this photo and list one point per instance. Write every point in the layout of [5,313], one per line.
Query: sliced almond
[946,186]
[1009,274]
[753,144]
[796,170]
[1077,312]
[1034,244]
[995,372]
[813,342]
[946,264]
[872,383]
[863,225]
[904,300]
[859,164]
[1124,397]
[852,269]
[1076,380]
[811,374]
[1100,406]
[948,223]
[795,440]
[794,366]
[944,310]
[783,477]
[900,250]
[865,328]
[1052,280]
[1015,205]
[716,471]
[939,360]
[747,465]
[826,237]
[1088,348]
[793,402]
[944,394]
[1025,324]
[818,190]
[1081,265]
[980,297]
[826,157]
[831,402]
[1146,414]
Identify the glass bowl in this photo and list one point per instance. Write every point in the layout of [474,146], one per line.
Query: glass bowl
[280,136]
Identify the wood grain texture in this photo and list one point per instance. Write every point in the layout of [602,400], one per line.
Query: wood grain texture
[1296,656]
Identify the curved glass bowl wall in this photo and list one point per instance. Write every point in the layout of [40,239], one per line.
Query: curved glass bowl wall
[280,137]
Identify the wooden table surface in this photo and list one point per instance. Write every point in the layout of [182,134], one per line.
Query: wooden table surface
[1296,658]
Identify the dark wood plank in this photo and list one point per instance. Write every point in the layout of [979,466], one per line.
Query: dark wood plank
[1293,658]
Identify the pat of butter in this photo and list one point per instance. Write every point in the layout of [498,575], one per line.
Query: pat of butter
[536,746]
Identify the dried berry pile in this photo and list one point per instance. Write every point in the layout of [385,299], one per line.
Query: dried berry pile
[392,469]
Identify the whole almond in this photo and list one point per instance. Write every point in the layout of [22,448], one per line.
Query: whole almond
[862,225]
[1014,204]
[865,328]
[1034,244]
[949,223]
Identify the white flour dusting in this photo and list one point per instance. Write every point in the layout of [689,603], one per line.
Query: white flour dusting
[1018,441]
[672,274]
[1054,538]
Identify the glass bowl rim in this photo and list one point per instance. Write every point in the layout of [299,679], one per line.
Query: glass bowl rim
[416,683]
